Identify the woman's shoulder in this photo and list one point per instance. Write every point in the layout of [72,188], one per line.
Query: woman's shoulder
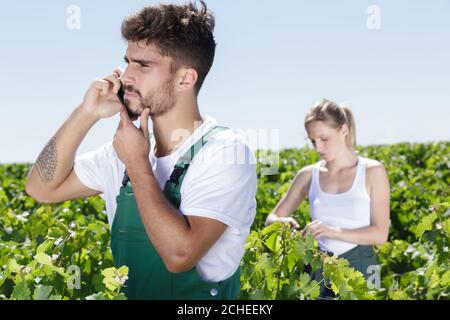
[371,163]
[304,174]
[302,180]
[374,168]
[307,170]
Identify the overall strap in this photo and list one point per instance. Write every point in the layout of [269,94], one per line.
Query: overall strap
[173,185]
[183,163]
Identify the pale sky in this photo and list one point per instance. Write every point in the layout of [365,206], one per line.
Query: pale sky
[274,59]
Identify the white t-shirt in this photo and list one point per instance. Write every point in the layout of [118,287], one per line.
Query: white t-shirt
[220,184]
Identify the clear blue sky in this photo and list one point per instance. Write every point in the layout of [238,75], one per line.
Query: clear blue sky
[274,60]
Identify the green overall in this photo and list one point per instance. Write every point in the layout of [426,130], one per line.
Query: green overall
[148,277]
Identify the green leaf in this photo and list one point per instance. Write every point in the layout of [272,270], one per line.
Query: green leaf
[445,279]
[299,248]
[120,296]
[13,266]
[56,232]
[292,260]
[304,279]
[312,290]
[263,264]
[446,226]
[425,224]
[96,296]
[271,242]
[21,291]
[43,247]
[316,262]
[115,278]
[42,292]
[399,295]
[275,227]
[43,259]
[309,241]
[123,271]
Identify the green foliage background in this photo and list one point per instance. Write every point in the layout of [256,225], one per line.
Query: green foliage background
[44,249]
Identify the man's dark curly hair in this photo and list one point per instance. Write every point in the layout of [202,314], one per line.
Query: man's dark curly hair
[181,32]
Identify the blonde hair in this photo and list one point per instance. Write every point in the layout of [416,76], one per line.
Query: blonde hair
[335,116]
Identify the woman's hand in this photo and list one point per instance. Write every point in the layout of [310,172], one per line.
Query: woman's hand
[292,222]
[318,229]
[272,218]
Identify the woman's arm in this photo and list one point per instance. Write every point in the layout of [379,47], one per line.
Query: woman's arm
[297,192]
[378,231]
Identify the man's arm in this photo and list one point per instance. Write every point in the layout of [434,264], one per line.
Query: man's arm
[55,162]
[181,241]
[52,179]
[182,237]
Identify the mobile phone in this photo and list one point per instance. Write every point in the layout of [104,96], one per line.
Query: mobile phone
[120,95]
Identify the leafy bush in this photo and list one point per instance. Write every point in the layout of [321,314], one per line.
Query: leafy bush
[62,251]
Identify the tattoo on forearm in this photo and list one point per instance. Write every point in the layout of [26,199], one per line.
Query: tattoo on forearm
[46,162]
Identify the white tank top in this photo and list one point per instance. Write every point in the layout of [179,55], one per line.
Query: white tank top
[349,210]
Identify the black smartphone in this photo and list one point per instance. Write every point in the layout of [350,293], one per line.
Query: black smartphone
[120,95]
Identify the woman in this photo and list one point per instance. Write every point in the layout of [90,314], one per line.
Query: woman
[348,194]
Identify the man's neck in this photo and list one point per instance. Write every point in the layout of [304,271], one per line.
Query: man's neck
[174,128]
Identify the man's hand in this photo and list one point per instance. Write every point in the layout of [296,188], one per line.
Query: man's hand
[101,99]
[131,144]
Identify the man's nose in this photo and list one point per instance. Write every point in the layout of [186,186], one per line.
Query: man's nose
[125,78]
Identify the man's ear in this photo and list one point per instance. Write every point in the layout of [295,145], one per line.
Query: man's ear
[187,78]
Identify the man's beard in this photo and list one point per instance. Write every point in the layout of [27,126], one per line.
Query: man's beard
[159,101]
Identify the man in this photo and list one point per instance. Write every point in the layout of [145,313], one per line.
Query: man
[180,205]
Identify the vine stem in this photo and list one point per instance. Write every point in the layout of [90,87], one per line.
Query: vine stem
[282,263]
[318,283]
